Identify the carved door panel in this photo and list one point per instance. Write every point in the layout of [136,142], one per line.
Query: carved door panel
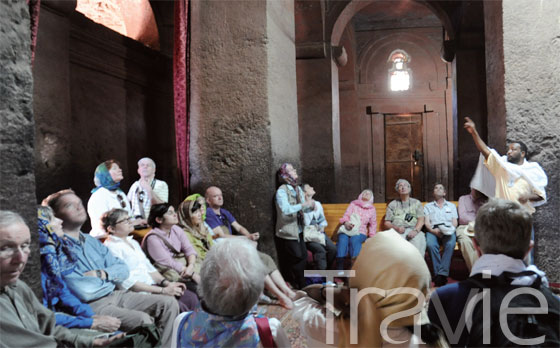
[403,153]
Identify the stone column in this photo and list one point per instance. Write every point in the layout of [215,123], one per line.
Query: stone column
[531,45]
[17,175]
[243,105]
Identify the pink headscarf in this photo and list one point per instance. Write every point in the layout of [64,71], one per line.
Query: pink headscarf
[361,202]
[285,177]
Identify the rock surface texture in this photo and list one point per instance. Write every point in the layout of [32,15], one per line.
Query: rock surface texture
[532,77]
[17,178]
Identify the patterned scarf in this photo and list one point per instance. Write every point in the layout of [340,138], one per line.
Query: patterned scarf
[102,178]
[285,177]
[185,221]
[56,261]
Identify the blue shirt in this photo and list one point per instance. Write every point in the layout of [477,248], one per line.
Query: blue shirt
[224,219]
[92,255]
[284,203]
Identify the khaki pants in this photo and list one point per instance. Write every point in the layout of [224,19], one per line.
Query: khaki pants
[135,309]
[419,241]
[466,246]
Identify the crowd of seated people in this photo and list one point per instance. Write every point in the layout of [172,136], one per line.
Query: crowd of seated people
[106,281]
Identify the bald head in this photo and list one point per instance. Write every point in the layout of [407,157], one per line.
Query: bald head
[214,197]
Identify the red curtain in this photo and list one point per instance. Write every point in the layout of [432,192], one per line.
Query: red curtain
[181,87]
[34,6]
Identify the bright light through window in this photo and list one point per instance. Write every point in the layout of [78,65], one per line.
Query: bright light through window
[400,81]
[399,73]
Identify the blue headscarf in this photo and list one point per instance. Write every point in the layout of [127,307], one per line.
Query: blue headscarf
[102,178]
[56,261]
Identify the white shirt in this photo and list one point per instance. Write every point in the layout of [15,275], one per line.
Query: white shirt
[159,188]
[137,262]
[100,202]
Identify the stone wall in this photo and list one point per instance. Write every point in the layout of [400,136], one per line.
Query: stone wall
[237,97]
[17,177]
[531,42]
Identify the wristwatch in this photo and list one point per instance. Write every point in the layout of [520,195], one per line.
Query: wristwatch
[99,273]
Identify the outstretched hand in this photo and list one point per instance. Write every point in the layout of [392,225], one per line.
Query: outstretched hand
[469,125]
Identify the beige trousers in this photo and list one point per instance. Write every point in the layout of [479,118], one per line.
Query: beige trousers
[135,309]
[466,246]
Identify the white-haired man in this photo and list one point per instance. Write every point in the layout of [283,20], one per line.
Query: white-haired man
[148,190]
[24,321]
[406,216]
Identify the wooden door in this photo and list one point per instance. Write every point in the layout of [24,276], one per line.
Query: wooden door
[403,153]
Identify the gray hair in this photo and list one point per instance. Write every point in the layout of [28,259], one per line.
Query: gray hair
[9,218]
[147,159]
[232,277]
[503,227]
[399,181]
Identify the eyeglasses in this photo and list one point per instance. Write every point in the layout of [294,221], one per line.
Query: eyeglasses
[127,220]
[6,251]
[121,201]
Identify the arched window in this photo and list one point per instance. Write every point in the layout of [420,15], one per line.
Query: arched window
[399,73]
[132,18]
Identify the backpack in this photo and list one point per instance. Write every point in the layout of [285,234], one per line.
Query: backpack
[521,325]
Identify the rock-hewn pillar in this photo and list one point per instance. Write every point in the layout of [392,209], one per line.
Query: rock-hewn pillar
[243,106]
[531,44]
[17,177]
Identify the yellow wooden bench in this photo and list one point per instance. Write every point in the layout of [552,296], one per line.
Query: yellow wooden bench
[335,211]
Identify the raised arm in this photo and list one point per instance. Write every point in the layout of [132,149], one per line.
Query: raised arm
[480,144]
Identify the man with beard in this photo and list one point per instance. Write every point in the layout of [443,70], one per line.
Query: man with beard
[516,179]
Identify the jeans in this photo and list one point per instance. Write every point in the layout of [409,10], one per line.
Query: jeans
[353,243]
[441,263]
[323,255]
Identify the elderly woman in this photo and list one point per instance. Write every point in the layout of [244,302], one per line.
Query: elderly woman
[191,219]
[398,280]
[143,276]
[168,247]
[107,195]
[322,247]
[56,261]
[232,280]
[359,222]
[290,206]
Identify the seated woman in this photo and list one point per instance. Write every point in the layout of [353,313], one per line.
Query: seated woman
[167,246]
[57,260]
[388,262]
[322,247]
[107,195]
[232,280]
[143,276]
[192,222]
[360,221]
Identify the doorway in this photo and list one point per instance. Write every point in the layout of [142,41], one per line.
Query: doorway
[404,153]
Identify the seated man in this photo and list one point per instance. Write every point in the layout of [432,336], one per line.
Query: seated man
[232,279]
[220,220]
[24,321]
[502,240]
[468,206]
[406,216]
[148,190]
[97,273]
[440,220]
